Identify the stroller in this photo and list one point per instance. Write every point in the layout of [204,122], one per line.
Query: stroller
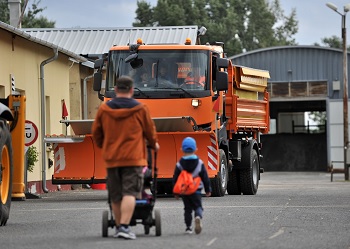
[143,213]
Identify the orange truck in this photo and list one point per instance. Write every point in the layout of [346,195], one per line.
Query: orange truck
[190,90]
[12,131]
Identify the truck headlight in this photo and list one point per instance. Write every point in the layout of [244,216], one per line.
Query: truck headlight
[196,102]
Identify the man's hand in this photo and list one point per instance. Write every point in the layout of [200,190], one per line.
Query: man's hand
[208,194]
[157,146]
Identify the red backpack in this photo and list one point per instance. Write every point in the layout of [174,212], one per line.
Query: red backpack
[187,183]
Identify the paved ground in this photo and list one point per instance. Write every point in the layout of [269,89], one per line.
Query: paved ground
[290,210]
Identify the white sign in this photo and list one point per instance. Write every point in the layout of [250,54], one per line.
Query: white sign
[30,133]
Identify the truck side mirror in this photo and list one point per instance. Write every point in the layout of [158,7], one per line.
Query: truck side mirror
[97,81]
[98,63]
[221,81]
[222,62]
[131,57]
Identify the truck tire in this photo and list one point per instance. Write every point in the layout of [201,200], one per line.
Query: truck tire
[249,177]
[219,183]
[6,172]
[233,185]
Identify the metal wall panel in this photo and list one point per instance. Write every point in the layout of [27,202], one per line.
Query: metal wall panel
[298,63]
[335,133]
[313,65]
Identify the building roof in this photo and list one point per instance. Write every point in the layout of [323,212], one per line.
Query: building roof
[97,41]
[46,43]
[284,48]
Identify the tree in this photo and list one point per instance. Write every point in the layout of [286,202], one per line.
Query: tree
[332,42]
[145,13]
[30,18]
[4,11]
[242,25]
[320,119]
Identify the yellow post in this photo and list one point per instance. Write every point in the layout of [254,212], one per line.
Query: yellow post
[18,108]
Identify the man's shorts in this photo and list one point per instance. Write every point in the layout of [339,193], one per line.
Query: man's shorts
[124,181]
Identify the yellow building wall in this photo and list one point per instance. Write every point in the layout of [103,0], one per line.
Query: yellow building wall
[75,92]
[21,58]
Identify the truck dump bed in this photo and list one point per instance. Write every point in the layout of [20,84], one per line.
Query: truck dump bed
[247,101]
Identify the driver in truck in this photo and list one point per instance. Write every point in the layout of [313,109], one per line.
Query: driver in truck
[195,78]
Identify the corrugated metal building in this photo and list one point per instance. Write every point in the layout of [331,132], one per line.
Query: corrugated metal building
[93,42]
[303,78]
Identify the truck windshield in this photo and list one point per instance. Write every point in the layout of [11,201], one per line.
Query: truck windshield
[161,70]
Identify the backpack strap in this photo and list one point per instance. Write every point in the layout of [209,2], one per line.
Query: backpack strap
[198,168]
[179,166]
[195,171]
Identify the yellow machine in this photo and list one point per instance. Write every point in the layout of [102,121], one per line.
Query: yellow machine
[190,90]
[12,128]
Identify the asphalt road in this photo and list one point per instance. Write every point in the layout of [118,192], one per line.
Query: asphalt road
[290,210]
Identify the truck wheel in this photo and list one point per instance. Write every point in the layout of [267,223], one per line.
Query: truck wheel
[249,177]
[219,183]
[6,171]
[233,185]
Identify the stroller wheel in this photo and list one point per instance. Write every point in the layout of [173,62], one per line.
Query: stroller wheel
[105,223]
[146,227]
[157,222]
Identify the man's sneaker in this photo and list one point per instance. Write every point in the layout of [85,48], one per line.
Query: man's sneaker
[124,233]
[188,230]
[197,224]
[116,232]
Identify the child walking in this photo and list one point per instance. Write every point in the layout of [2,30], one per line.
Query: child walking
[193,202]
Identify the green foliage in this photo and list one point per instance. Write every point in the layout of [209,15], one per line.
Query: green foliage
[32,158]
[30,18]
[333,42]
[242,25]
[320,119]
[145,13]
[4,12]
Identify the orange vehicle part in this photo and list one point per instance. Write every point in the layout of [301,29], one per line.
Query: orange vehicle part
[248,114]
[174,108]
[78,162]
[82,161]
[170,152]
[17,134]
[6,175]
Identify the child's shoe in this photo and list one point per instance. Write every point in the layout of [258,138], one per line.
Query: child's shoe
[197,224]
[188,230]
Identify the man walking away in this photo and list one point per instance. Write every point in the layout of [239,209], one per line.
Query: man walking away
[120,128]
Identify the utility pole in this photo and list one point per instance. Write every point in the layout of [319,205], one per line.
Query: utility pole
[345,97]
[345,85]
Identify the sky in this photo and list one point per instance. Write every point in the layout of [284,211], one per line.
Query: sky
[315,19]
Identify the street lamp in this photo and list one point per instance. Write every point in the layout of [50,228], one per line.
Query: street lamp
[345,83]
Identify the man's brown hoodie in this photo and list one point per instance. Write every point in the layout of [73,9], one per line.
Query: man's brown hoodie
[121,128]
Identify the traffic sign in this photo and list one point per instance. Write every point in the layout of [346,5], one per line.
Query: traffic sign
[30,133]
